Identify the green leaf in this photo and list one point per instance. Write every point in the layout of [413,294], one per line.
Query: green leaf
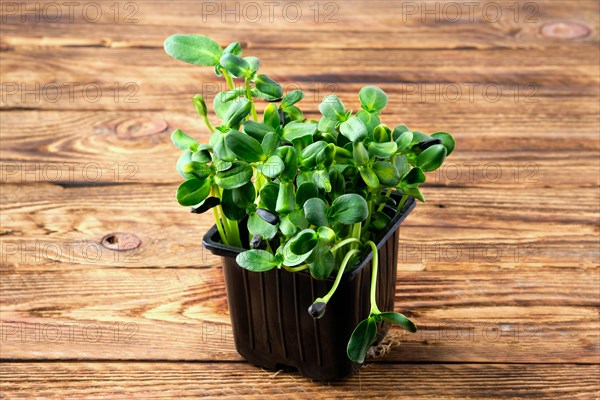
[183,141]
[197,169]
[354,129]
[268,86]
[337,182]
[306,191]
[202,155]
[256,260]
[295,130]
[244,146]
[327,125]
[254,64]
[304,242]
[237,112]
[231,209]
[221,104]
[315,211]
[184,159]
[326,235]
[321,178]
[383,150]
[238,175]
[244,196]
[400,129]
[233,48]
[288,155]
[193,191]
[287,227]
[404,140]
[447,141]
[285,198]
[371,121]
[363,336]
[220,148]
[333,108]
[271,116]
[258,226]
[292,98]
[348,209]
[257,130]
[413,178]
[398,319]
[387,173]
[360,153]
[369,176]
[326,156]
[290,259]
[270,143]
[308,156]
[372,98]
[193,49]
[272,167]
[236,66]
[268,196]
[292,113]
[414,192]
[432,158]
[321,262]
[200,105]
[381,134]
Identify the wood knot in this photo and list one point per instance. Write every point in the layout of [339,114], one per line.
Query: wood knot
[565,30]
[121,241]
[140,127]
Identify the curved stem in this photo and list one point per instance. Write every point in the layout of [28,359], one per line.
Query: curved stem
[343,243]
[374,309]
[228,78]
[296,269]
[338,277]
[208,125]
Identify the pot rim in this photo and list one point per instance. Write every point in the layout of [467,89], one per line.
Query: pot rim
[211,241]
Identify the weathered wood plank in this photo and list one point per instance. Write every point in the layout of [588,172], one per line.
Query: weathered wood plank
[242,381]
[486,315]
[481,25]
[504,228]
[91,147]
[96,79]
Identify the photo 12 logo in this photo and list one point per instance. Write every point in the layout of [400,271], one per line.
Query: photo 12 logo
[69,12]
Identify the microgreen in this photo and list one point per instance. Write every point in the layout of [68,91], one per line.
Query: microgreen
[302,189]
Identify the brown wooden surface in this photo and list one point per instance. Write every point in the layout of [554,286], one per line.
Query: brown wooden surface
[500,268]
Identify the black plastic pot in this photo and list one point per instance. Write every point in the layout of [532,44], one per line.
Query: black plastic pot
[271,325]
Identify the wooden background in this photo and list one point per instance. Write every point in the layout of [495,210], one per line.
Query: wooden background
[499,268]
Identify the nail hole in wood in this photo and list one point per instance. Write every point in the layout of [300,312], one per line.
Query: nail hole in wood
[121,241]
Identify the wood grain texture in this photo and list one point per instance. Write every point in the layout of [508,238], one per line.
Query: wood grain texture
[240,381]
[500,268]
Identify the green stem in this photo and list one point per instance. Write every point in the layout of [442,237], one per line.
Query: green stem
[208,125]
[251,99]
[343,243]
[338,277]
[218,220]
[387,194]
[374,309]
[296,269]
[228,78]
[402,201]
